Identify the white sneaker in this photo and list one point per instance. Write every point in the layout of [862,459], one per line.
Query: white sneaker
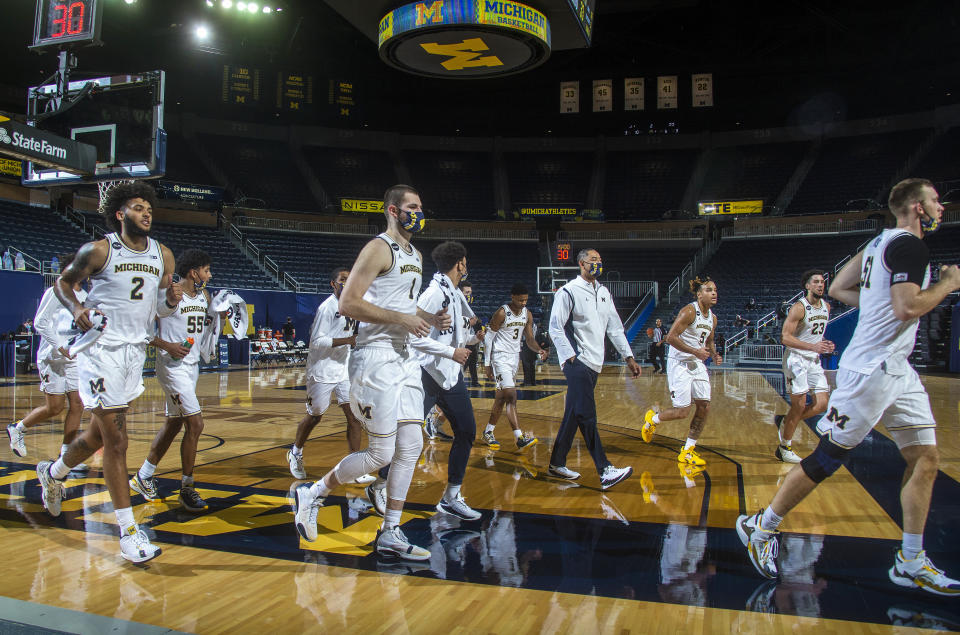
[458,507]
[393,542]
[296,465]
[613,475]
[920,573]
[366,479]
[147,487]
[787,455]
[377,497]
[562,471]
[305,508]
[16,440]
[763,546]
[52,489]
[136,547]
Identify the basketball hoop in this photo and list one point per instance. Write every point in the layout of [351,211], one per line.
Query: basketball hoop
[103,187]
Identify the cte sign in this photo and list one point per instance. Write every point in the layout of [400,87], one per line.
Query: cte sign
[464,38]
[731,207]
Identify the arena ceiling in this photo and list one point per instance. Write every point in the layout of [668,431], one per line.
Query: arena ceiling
[774,63]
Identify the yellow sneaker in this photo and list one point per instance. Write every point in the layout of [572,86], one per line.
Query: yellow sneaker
[690,457]
[649,490]
[649,427]
[690,470]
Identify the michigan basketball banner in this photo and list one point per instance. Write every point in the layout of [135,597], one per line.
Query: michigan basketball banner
[569,97]
[361,205]
[731,207]
[667,92]
[603,95]
[633,97]
[702,85]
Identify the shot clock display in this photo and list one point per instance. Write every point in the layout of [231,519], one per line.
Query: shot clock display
[61,23]
[563,252]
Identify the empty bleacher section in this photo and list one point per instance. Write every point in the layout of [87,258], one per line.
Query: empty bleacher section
[260,169]
[942,163]
[454,184]
[549,178]
[308,257]
[183,164]
[933,335]
[37,231]
[231,269]
[856,167]
[645,185]
[754,172]
[768,272]
[640,263]
[349,173]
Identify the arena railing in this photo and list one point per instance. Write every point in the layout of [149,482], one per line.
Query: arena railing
[470,233]
[630,288]
[704,254]
[304,227]
[951,216]
[800,229]
[761,352]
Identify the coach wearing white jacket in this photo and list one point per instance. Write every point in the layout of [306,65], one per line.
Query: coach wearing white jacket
[582,314]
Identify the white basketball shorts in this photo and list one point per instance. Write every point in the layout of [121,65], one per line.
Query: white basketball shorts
[58,376]
[319,393]
[687,381]
[110,377]
[803,374]
[179,383]
[385,389]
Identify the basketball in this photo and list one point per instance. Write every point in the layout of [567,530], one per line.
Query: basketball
[650,332]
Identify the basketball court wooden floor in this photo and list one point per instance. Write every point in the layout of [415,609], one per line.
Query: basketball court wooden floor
[657,553]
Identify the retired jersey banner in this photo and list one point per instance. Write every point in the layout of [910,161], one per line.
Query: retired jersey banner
[731,207]
[11,167]
[702,90]
[361,205]
[603,95]
[633,97]
[569,97]
[667,92]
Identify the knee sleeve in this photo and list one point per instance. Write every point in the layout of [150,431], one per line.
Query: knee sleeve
[378,453]
[824,461]
[409,443]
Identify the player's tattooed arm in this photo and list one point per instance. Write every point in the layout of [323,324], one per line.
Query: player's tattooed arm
[89,259]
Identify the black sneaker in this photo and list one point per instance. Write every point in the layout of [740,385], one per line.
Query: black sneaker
[440,434]
[192,501]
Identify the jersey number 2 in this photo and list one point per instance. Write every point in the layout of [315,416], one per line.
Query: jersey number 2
[136,293]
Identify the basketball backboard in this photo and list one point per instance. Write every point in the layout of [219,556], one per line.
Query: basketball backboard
[122,116]
[550,279]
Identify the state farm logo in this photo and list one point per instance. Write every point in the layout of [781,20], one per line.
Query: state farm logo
[5,136]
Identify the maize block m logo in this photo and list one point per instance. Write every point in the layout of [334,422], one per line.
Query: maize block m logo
[463,55]
[433,13]
[96,385]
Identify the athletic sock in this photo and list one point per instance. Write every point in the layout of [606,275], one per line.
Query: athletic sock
[126,522]
[391,518]
[656,418]
[147,470]
[186,481]
[690,444]
[784,442]
[770,521]
[59,470]
[518,434]
[63,449]
[451,492]
[912,545]
[295,451]
[320,489]
[490,428]
[20,426]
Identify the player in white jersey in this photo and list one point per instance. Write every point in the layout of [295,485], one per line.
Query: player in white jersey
[691,343]
[331,336]
[386,392]
[803,343]
[510,326]
[890,282]
[128,271]
[178,368]
[58,372]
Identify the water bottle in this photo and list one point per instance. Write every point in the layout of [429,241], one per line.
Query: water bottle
[187,343]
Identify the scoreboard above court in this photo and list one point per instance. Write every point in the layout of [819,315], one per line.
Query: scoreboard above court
[63,23]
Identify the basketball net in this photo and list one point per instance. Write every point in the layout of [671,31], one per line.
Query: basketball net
[103,187]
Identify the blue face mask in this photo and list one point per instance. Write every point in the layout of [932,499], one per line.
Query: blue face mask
[928,224]
[415,221]
[595,269]
[337,289]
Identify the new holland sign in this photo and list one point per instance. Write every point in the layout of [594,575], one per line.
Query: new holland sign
[32,144]
[464,38]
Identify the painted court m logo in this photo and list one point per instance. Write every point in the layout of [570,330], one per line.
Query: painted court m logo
[463,55]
